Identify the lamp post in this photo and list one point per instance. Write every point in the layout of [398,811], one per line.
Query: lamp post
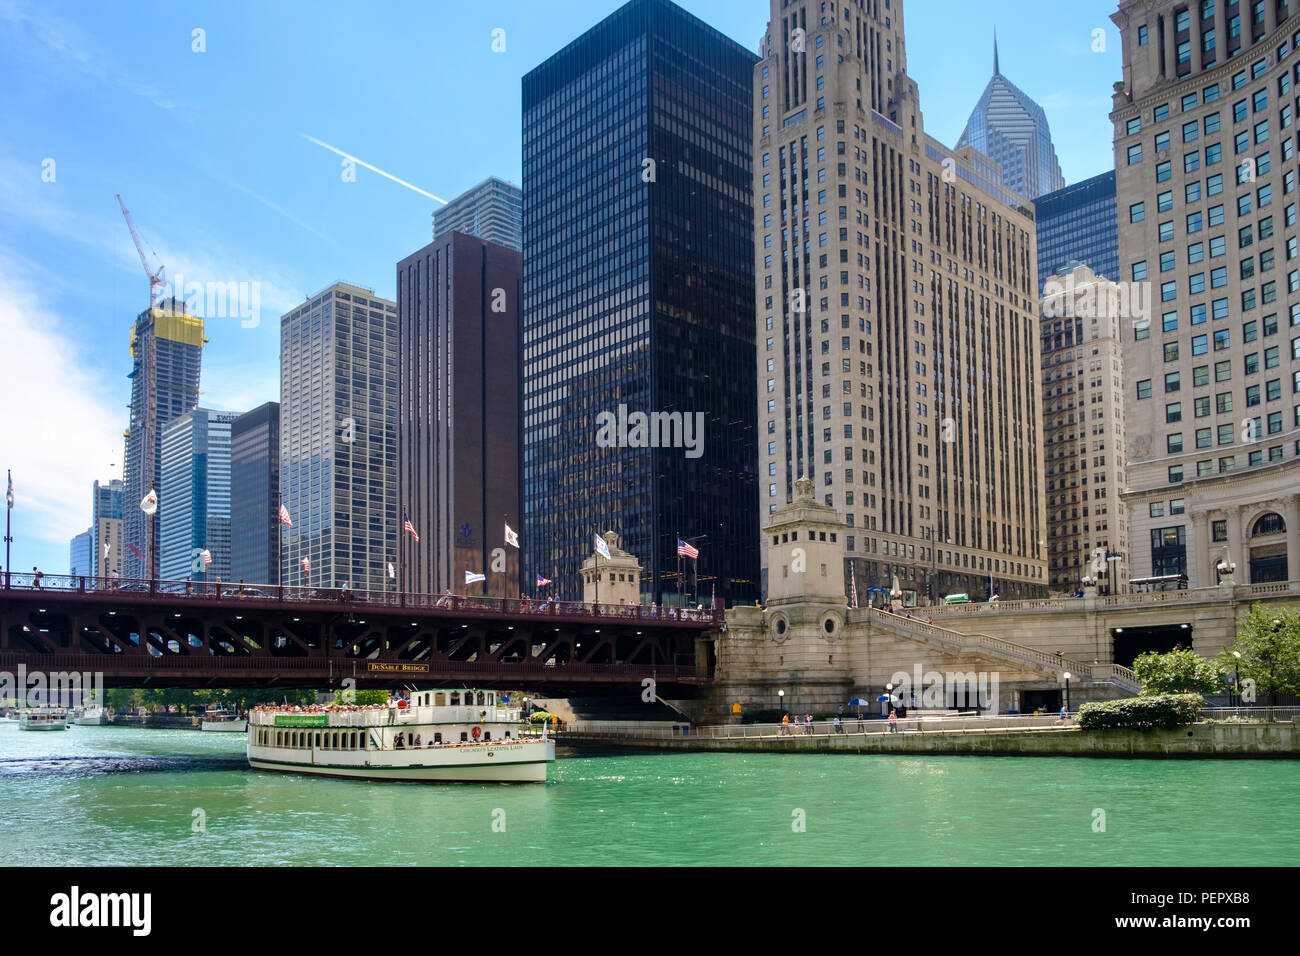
[1066,675]
[1236,677]
[780,701]
[889,700]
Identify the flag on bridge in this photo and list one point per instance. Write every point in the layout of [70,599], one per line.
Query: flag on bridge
[149,503]
[409,528]
[512,537]
[391,573]
[602,548]
[207,556]
[684,550]
[542,582]
[9,494]
[136,551]
[306,565]
[284,516]
[473,578]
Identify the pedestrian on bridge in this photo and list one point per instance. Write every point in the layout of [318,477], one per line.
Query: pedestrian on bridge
[36,578]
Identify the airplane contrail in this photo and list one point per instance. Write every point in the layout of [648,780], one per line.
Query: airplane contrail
[375,169]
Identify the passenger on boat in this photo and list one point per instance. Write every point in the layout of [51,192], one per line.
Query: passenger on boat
[398,744]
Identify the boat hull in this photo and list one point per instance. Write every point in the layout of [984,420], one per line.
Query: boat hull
[44,725]
[509,763]
[224,726]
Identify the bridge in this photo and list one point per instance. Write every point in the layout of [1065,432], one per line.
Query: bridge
[183,634]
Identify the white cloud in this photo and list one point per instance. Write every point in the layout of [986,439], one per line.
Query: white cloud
[61,426]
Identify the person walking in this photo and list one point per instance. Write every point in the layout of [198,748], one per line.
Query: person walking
[838,728]
[808,723]
[36,578]
[893,722]
[785,723]
[860,728]
[1065,714]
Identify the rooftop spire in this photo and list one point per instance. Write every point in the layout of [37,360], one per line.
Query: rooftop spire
[995,51]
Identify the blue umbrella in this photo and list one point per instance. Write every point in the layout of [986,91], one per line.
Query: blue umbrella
[882,697]
[858,702]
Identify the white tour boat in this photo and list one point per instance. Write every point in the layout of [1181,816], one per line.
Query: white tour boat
[223,722]
[43,718]
[436,735]
[89,716]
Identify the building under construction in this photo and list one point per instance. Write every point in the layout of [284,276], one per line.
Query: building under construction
[166,348]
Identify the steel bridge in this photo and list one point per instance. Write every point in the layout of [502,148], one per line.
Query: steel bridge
[185,634]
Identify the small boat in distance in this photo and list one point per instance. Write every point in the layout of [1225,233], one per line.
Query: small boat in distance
[89,716]
[43,718]
[432,736]
[223,722]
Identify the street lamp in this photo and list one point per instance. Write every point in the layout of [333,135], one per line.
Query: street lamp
[889,700]
[780,699]
[1066,675]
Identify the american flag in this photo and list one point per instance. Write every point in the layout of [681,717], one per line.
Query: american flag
[9,493]
[306,565]
[284,516]
[207,556]
[542,582]
[685,550]
[408,527]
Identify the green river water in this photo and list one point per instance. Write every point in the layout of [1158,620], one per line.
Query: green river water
[102,795]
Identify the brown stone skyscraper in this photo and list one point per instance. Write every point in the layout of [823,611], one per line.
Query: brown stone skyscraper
[897,326]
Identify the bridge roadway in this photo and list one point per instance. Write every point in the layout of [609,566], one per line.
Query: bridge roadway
[178,634]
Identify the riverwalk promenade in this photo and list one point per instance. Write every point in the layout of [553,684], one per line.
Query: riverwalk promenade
[985,736]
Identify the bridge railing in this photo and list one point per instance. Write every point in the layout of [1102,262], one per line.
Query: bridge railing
[822,728]
[446,602]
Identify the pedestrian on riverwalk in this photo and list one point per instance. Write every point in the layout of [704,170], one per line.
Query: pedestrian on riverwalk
[785,723]
[838,728]
[1065,714]
[860,728]
[893,722]
[808,723]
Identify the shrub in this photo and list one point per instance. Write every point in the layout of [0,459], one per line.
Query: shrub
[1142,713]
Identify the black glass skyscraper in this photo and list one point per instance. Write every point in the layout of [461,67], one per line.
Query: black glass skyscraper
[638,300]
[1079,225]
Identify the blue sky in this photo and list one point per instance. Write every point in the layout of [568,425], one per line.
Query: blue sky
[210,153]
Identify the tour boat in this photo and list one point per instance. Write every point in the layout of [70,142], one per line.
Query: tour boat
[90,716]
[224,722]
[435,735]
[43,718]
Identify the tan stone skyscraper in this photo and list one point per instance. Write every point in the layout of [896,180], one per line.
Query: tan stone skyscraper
[897,316]
[1205,148]
[1083,430]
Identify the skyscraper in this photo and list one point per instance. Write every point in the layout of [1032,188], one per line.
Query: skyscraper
[1083,427]
[1207,229]
[458,304]
[1011,129]
[255,529]
[167,348]
[1079,225]
[106,546]
[638,278]
[79,560]
[897,317]
[194,496]
[338,439]
[492,210]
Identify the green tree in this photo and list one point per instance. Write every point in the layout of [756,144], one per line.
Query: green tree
[1268,642]
[1180,671]
[361,697]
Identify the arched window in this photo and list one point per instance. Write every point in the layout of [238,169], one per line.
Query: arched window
[1270,523]
[480,697]
[455,698]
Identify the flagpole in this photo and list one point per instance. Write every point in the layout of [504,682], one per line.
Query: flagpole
[9,507]
[279,541]
[401,557]
[681,586]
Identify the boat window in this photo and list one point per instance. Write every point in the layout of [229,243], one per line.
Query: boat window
[455,698]
[487,735]
[437,738]
[491,698]
[441,700]
[507,733]
[334,737]
[464,737]
[480,697]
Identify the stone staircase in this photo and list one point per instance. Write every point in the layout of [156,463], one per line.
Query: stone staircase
[959,641]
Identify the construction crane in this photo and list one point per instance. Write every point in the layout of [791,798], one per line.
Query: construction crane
[155,278]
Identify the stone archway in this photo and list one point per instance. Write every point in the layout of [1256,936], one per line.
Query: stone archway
[1267,552]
